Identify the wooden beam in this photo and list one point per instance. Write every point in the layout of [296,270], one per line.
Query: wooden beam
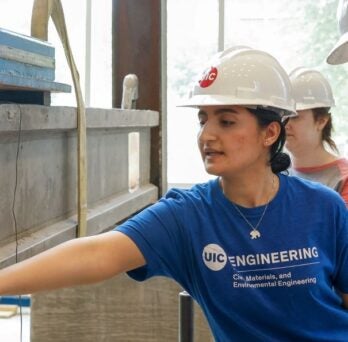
[137,49]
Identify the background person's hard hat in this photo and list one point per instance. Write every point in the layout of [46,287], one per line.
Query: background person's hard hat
[339,54]
[310,89]
[247,77]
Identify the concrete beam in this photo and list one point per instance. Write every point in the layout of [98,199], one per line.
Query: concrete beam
[35,118]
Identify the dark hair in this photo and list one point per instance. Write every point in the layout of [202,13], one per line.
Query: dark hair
[279,160]
[324,112]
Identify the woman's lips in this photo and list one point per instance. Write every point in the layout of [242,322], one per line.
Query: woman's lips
[212,153]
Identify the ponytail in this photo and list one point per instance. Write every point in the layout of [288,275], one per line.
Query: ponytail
[279,161]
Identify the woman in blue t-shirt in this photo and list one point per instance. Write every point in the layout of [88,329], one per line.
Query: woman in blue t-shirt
[265,255]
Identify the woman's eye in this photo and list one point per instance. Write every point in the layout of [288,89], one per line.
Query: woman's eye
[227,123]
[201,123]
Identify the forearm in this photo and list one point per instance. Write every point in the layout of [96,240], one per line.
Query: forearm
[71,263]
[76,262]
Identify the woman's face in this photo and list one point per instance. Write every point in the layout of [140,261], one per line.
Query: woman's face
[302,132]
[230,140]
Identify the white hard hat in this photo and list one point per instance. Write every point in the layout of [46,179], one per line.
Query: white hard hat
[339,54]
[310,89]
[247,77]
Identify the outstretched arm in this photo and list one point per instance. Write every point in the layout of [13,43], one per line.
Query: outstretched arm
[75,262]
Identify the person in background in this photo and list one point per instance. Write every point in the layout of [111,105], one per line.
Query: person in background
[265,255]
[314,154]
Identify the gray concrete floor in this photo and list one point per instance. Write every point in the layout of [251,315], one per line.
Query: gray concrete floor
[10,328]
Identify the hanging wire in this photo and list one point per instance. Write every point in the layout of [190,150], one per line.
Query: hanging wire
[19,136]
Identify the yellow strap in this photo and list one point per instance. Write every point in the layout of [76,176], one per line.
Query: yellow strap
[42,11]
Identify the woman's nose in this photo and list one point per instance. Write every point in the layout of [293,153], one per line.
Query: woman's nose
[207,132]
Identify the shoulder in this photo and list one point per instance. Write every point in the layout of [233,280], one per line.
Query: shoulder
[307,186]
[198,192]
[312,191]
[343,165]
[343,161]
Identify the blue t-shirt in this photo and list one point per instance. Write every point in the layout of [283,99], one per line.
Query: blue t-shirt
[278,287]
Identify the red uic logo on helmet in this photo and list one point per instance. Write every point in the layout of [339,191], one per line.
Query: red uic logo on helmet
[208,77]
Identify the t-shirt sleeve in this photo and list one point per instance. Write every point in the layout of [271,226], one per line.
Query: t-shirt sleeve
[161,238]
[341,274]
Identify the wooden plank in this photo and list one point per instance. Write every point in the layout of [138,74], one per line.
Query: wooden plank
[26,70]
[15,300]
[137,24]
[26,43]
[23,83]
[18,55]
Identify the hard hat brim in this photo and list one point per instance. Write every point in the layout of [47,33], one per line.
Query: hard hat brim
[339,54]
[300,106]
[220,100]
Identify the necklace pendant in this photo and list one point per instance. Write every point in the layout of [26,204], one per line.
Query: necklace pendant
[255,234]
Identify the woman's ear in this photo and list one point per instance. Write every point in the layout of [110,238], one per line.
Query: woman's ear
[272,132]
[321,122]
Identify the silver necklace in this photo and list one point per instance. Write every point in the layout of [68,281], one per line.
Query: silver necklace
[255,233]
